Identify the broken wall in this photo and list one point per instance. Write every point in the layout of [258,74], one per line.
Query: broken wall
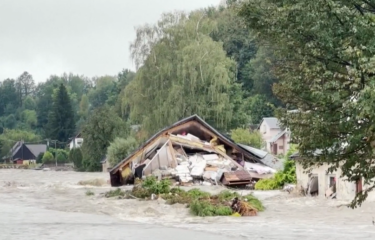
[345,190]
[162,159]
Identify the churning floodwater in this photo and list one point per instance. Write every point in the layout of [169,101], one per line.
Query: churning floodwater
[52,205]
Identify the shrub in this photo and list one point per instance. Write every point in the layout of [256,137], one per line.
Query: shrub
[75,156]
[205,209]
[287,175]
[47,157]
[120,148]
[39,158]
[156,187]
[115,193]
[247,137]
[89,193]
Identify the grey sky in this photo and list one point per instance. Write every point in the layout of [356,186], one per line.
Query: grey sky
[89,37]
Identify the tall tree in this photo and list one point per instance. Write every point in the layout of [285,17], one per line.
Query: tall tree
[25,85]
[325,62]
[101,129]
[61,124]
[44,94]
[105,91]
[183,72]
[9,100]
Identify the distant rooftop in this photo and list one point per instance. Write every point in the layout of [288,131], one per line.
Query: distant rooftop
[272,122]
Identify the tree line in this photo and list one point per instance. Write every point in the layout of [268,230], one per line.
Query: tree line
[204,62]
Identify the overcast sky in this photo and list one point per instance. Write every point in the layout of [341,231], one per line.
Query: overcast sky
[89,37]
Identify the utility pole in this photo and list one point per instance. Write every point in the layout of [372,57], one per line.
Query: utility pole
[55,141]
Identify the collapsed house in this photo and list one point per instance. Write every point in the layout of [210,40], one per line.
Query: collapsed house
[192,150]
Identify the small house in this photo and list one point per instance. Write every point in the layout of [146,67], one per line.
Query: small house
[23,152]
[275,137]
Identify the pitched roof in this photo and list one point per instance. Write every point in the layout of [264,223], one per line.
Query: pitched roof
[194,117]
[37,149]
[272,122]
[277,136]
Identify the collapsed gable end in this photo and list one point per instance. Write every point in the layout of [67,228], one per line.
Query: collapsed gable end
[193,125]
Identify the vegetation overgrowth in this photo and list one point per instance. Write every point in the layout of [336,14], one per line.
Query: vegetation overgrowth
[200,203]
[287,175]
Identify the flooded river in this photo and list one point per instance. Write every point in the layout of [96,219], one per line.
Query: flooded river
[52,205]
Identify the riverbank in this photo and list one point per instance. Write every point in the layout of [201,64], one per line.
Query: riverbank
[58,196]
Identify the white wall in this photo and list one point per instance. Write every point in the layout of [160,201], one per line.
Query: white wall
[77,143]
[344,190]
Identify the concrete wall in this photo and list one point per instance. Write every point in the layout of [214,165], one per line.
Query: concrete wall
[345,190]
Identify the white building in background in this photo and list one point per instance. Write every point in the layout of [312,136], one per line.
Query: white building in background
[276,139]
[76,142]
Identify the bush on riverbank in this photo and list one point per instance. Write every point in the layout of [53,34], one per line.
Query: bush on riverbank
[199,202]
[287,175]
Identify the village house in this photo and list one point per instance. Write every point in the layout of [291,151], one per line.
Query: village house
[276,139]
[24,153]
[329,185]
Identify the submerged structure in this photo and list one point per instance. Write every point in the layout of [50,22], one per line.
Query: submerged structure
[192,150]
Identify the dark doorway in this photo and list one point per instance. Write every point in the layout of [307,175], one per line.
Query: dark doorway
[275,148]
[358,185]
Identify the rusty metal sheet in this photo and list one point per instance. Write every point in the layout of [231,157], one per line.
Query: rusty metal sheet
[240,177]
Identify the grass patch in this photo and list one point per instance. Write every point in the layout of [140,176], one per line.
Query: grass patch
[115,193]
[89,193]
[206,209]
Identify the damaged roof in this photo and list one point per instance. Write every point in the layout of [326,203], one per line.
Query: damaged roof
[194,117]
[265,157]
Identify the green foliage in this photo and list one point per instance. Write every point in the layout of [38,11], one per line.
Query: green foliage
[39,158]
[11,136]
[187,73]
[156,187]
[75,156]
[324,61]
[260,108]
[62,156]
[103,126]
[89,193]
[121,148]
[48,157]
[247,137]
[104,92]
[61,122]
[205,209]
[287,175]
[255,202]
[115,193]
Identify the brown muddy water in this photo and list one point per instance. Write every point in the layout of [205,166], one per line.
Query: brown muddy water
[52,205]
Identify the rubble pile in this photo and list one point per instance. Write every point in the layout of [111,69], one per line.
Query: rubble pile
[188,159]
